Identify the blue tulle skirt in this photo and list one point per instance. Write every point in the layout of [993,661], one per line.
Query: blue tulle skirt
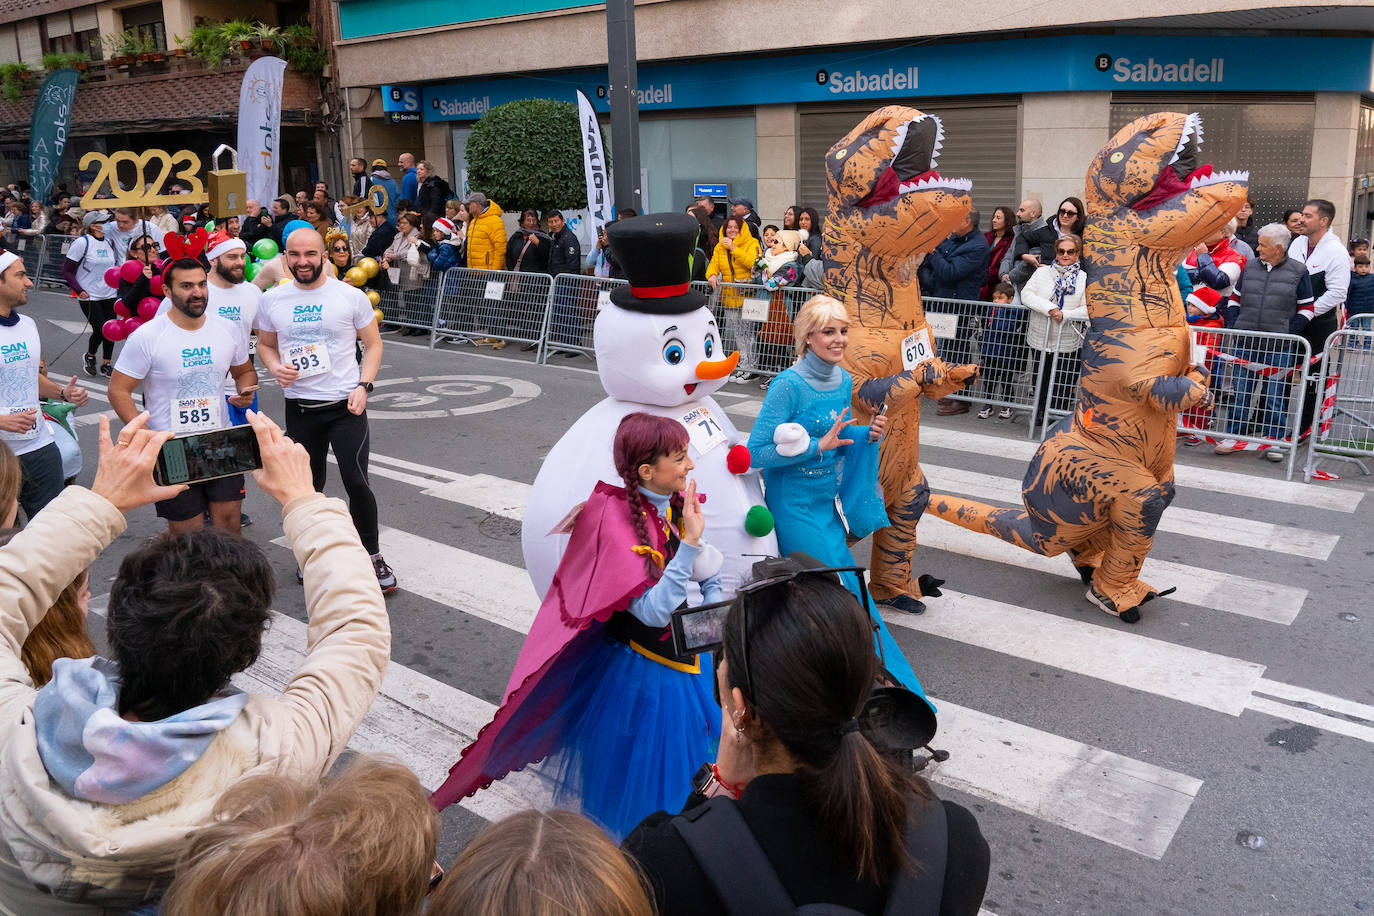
[626,738]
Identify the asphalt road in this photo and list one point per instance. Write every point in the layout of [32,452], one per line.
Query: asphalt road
[1215,758]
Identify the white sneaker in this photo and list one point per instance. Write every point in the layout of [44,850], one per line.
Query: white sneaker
[1228,447]
[1275,454]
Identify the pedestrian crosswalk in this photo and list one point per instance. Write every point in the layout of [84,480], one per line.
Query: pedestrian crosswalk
[1133,804]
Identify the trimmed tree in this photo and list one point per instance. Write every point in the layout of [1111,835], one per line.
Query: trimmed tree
[528,153]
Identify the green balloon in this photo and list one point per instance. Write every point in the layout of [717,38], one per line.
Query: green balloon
[758,521]
[264,249]
[250,270]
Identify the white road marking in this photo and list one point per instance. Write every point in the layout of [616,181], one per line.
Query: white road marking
[71,327]
[749,408]
[1225,528]
[1197,585]
[1312,717]
[1319,709]
[1104,652]
[1127,803]
[1231,482]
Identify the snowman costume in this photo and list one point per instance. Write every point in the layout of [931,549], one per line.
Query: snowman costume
[658,350]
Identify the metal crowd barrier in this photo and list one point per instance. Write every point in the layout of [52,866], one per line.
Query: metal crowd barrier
[574,301]
[993,335]
[498,304]
[1257,382]
[1345,384]
[757,321]
[55,248]
[29,248]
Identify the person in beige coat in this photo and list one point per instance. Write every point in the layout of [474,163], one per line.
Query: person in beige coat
[97,801]
[1056,316]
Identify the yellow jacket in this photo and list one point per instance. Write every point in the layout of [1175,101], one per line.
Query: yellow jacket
[735,266]
[487,239]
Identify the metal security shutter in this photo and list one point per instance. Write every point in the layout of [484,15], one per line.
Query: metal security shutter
[1271,135]
[981,143]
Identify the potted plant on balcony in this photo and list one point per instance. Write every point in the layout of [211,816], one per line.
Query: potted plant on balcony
[301,50]
[239,34]
[268,36]
[13,78]
[209,44]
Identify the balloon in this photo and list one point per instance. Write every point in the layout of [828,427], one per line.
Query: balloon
[286,231]
[155,286]
[147,308]
[130,271]
[266,249]
[354,276]
[369,266]
[374,297]
[121,310]
[131,325]
[113,329]
[378,313]
[112,277]
[251,269]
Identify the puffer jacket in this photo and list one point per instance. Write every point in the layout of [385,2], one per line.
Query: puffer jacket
[1037,296]
[487,239]
[98,858]
[448,253]
[735,266]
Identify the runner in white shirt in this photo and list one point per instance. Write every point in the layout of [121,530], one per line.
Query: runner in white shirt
[21,387]
[84,269]
[306,333]
[124,228]
[181,359]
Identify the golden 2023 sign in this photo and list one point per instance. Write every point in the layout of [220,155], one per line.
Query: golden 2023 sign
[183,166]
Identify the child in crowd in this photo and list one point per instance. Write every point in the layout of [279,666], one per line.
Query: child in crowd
[1005,328]
[618,719]
[1359,299]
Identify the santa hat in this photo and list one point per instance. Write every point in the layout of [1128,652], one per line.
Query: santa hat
[221,243]
[444,225]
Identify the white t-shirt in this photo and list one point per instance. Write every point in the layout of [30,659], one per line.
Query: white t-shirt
[328,317]
[120,239]
[93,257]
[237,304]
[183,371]
[20,351]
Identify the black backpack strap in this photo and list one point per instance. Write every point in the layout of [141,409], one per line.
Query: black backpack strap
[725,849]
[918,890]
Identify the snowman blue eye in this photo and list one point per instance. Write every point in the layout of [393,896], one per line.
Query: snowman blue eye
[709,346]
[673,352]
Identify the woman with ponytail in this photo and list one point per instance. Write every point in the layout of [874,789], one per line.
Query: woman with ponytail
[618,719]
[838,821]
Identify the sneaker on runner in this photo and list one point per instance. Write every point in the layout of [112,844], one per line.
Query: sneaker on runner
[90,364]
[386,579]
[1229,447]
[106,370]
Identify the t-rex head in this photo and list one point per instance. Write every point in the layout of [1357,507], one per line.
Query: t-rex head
[885,193]
[1149,201]
[1147,186]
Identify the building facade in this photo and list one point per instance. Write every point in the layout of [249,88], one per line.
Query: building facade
[751,95]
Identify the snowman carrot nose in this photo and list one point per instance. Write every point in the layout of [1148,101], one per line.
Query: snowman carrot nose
[719,368]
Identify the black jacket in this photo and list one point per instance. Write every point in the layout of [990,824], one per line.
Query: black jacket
[379,241]
[957,267]
[359,184]
[798,847]
[565,253]
[531,259]
[432,195]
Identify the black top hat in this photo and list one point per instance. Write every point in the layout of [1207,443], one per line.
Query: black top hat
[655,251]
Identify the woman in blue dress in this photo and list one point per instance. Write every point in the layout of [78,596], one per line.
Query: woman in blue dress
[810,451]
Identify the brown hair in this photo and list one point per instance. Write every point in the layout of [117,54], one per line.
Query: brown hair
[542,863]
[11,476]
[61,633]
[362,841]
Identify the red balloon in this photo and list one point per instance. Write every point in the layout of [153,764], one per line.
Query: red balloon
[113,329]
[131,325]
[159,264]
[112,277]
[155,285]
[130,271]
[147,309]
[121,309]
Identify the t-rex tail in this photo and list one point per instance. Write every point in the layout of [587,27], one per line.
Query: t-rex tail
[1011,525]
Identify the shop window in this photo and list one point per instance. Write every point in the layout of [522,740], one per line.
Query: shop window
[680,152]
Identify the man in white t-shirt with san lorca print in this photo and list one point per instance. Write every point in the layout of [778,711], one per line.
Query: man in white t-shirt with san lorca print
[181,358]
[306,334]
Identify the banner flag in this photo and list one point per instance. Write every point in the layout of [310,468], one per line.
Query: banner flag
[594,162]
[52,112]
[259,136]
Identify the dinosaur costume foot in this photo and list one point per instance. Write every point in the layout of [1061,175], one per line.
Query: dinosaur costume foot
[929,585]
[904,603]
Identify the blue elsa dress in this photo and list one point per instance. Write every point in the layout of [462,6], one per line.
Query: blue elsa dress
[800,490]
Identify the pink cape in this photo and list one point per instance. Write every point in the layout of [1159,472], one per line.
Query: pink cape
[598,575]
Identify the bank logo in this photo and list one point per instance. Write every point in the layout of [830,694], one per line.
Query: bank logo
[451,108]
[1125,70]
[889,80]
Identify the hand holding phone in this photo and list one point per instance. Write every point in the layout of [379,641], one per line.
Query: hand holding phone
[285,473]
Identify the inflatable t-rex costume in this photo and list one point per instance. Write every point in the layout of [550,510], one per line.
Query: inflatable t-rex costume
[887,204]
[1099,483]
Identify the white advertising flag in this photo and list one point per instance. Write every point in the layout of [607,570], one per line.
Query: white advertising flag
[259,143]
[594,161]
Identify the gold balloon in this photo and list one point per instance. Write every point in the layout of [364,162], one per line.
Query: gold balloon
[369,267]
[355,276]
[375,298]
[378,313]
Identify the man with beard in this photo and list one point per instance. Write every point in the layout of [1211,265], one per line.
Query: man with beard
[181,358]
[21,385]
[306,334]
